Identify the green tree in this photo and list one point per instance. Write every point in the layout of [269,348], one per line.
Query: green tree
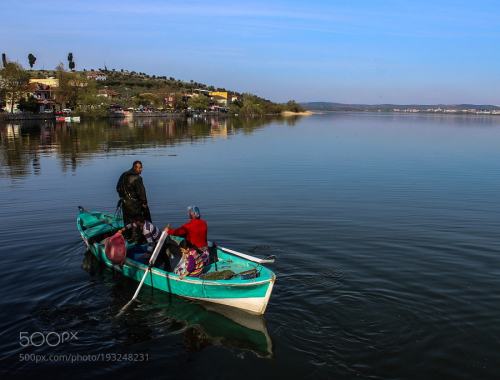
[70,84]
[148,99]
[180,103]
[293,106]
[14,82]
[2,98]
[31,59]
[252,106]
[28,104]
[235,107]
[199,103]
[4,60]
[89,102]
[71,63]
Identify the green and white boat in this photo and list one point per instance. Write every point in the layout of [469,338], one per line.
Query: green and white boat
[249,294]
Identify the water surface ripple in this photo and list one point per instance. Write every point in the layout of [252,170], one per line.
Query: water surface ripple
[386,228]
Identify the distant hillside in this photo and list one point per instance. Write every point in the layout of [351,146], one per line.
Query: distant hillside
[98,92]
[330,106]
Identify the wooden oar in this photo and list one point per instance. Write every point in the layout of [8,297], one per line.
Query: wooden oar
[267,260]
[152,260]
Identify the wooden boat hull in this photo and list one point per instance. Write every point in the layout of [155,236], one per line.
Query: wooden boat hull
[251,295]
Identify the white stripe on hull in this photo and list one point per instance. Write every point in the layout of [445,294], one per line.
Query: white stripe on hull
[254,305]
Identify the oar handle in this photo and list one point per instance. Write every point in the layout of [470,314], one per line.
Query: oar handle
[267,260]
[157,249]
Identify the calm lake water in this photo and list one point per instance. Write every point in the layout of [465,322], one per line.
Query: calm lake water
[386,230]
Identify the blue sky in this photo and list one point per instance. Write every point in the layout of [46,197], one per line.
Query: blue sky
[343,51]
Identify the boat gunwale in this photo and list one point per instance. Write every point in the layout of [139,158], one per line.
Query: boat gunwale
[193,280]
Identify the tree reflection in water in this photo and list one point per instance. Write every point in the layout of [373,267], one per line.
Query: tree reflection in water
[22,144]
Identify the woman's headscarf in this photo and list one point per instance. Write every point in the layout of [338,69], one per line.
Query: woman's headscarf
[194,210]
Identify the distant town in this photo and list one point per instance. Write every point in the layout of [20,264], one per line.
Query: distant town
[475,111]
[464,109]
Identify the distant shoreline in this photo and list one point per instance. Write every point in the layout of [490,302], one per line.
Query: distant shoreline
[458,113]
[463,109]
[301,113]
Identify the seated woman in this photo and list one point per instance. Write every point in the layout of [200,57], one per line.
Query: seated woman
[195,256]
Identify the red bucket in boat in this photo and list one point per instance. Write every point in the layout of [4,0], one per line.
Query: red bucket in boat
[115,248]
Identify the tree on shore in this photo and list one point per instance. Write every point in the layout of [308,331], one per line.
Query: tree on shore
[251,106]
[29,104]
[4,60]
[14,82]
[70,84]
[31,60]
[180,103]
[199,103]
[89,101]
[293,106]
[2,98]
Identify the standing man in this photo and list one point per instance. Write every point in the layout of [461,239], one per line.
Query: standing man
[133,194]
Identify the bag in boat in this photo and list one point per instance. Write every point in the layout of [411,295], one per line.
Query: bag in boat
[220,275]
[115,248]
[248,274]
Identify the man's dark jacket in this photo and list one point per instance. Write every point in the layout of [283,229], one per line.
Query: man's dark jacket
[133,195]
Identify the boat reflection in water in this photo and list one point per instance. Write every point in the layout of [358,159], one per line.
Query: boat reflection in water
[201,324]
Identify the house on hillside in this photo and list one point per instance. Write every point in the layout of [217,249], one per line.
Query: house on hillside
[219,97]
[51,81]
[170,101]
[108,93]
[97,75]
[199,91]
[44,96]
[43,90]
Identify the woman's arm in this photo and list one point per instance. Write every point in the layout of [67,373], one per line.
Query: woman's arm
[127,227]
[181,231]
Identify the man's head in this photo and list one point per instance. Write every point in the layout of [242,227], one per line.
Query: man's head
[193,212]
[137,167]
